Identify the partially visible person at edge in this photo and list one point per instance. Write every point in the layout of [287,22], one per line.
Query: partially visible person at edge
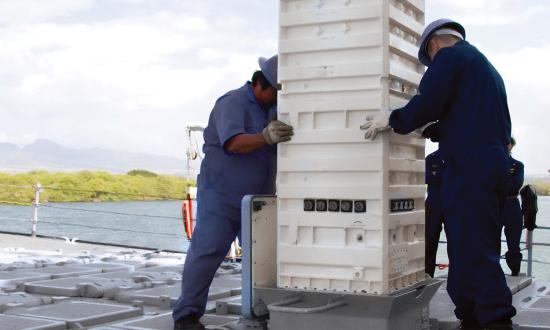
[512,216]
[434,203]
[465,94]
[240,159]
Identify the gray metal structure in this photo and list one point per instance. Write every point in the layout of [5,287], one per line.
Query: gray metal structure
[21,268]
[295,309]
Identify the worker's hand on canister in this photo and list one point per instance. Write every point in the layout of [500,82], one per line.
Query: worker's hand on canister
[277,131]
[376,124]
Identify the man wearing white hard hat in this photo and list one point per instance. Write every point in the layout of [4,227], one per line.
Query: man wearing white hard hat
[240,159]
[465,95]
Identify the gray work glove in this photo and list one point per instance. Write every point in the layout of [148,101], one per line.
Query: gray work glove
[376,124]
[277,131]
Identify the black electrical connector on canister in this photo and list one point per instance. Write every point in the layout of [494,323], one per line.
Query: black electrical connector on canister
[321,205]
[346,206]
[401,205]
[360,206]
[309,205]
[334,205]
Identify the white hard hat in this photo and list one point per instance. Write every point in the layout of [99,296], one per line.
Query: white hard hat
[438,27]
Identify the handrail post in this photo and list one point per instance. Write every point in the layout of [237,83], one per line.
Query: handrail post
[36,203]
[529,243]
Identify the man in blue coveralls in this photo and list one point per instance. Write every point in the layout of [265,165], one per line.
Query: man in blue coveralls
[512,216]
[466,95]
[240,159]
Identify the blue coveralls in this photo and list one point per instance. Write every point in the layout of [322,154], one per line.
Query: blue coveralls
[512,217]
[434,209]
[466,94]
[224,179]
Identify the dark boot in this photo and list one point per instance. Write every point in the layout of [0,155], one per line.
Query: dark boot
[502,324]
[189,322]
[469,326]
[513,260]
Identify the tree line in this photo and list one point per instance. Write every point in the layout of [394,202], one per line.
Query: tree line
[98,186]
[543,188]
[92,186]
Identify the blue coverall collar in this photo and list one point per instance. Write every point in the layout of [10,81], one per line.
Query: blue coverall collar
[459,43]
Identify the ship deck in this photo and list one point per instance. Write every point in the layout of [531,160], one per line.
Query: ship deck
[54,284]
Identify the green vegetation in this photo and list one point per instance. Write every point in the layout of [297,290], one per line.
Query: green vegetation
[543,188]
[87,186]
[143,173]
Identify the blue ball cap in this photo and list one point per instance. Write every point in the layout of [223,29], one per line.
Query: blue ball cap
[269,69]
[423,56]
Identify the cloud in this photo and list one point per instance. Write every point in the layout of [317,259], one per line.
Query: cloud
[32,11]
[529,102]
[86,77]
[490,12]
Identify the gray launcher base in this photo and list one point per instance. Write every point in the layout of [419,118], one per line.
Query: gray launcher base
[532,320]
[295,310]
[164,296]
[164,321]
[67,271]
[13,322]
[80,313]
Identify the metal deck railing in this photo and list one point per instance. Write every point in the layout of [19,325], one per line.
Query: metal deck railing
[529,244]
[529,247]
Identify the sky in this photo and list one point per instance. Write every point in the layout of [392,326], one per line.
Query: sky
[130,74]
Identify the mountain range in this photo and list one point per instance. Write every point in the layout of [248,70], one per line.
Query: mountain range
[48,155]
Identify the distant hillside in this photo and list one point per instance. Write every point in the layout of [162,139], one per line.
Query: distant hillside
[51,156]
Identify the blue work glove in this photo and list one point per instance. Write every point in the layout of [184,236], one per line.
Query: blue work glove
[277,131]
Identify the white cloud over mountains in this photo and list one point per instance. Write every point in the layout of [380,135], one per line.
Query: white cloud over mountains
[128,74]
[74,72]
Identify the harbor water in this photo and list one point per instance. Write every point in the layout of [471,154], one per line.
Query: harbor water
[158,225]
[152,224]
